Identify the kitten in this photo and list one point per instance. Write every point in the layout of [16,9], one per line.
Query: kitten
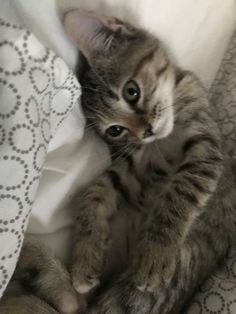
[167,200]
[167,167]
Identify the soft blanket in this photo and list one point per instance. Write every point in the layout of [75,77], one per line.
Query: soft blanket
[42,128]
[37,93]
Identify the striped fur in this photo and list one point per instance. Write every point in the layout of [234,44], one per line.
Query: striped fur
[190,208]
[181,184]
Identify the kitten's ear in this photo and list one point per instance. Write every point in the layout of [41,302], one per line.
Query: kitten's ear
[94,33]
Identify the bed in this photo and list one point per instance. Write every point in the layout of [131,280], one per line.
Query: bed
[46,154]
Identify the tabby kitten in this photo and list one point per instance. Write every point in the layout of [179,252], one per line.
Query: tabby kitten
[167,168]
[167,201]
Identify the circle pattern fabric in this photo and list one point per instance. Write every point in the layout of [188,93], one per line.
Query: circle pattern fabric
[37,91]
[218,294]
[223,98]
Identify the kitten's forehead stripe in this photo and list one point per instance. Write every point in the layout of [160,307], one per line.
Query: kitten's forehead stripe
[146,58]
[152,91]
[162,69]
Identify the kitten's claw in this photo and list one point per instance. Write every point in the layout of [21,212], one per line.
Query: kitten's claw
[83,287]
[147,287]
[153,266]
[88,263]
[122,297]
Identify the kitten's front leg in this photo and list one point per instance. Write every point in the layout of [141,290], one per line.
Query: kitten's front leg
[188,191]
[91,235]
[172,296]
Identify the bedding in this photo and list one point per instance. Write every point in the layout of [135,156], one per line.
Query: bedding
[46,154]
[218,294]
[37,93]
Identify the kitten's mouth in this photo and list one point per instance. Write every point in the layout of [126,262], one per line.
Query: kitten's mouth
[162,129]
[149,139]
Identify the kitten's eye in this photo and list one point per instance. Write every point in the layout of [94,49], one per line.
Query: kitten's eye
[115,130]
[131,92]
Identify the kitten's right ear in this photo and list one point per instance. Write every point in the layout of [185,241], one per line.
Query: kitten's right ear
[94,33]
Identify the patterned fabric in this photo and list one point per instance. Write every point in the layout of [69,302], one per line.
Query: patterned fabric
[218,294]
[223,98]
[37,91]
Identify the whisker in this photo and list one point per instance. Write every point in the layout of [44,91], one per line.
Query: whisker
[124,156]
[116,153]
[90,88]
[127,149]
[101,79]
[89,126]
[165,107]
[99,90]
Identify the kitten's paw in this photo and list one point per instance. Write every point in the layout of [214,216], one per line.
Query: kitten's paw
[83,284]
[88,263]
[122,297]
[153,266]
[52,283]
[68,304]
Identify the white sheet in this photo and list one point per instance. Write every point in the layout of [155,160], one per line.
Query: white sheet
[37,91]
[197,33]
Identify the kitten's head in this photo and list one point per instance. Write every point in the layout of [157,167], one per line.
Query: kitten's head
[128,83]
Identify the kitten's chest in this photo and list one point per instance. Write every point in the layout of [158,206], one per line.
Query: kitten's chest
[151,167]
[160,157]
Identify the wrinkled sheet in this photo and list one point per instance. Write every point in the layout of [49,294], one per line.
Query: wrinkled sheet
[42,128]
[37,92]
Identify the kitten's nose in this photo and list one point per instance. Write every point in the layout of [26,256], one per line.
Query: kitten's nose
[148,132]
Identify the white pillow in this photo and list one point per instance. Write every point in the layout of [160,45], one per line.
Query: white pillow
[197,32]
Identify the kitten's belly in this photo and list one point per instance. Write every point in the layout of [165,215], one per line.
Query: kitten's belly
[126,226]
[129,221]
[163,154]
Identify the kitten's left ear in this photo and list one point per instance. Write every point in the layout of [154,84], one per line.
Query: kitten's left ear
[95,33]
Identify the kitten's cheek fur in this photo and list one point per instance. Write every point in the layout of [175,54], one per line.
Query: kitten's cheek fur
[165,126]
